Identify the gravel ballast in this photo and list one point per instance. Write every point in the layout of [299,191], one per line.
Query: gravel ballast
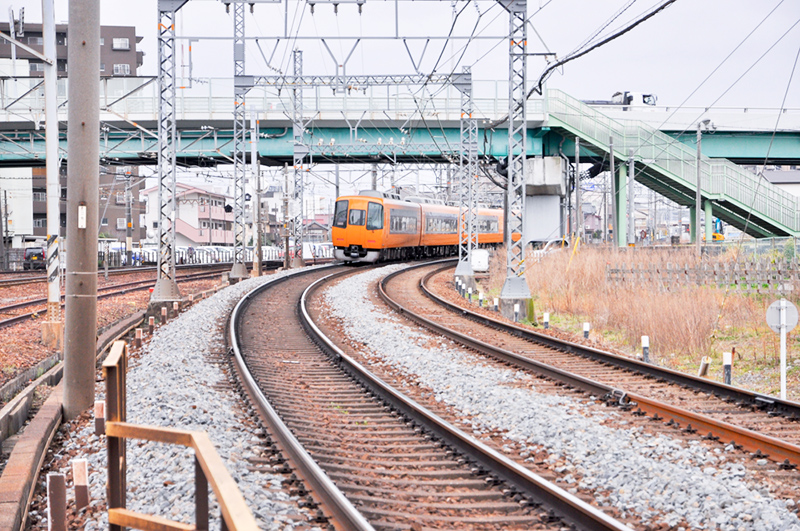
[172,384]
[656,478]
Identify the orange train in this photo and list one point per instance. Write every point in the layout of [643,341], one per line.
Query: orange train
[373,226]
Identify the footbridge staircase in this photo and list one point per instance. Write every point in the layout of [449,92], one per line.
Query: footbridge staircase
[664,164]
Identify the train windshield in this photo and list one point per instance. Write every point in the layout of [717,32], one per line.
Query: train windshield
[340,214]
[356,217]
[374,216]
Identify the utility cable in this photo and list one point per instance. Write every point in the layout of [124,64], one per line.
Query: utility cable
[755,193]
[538,88]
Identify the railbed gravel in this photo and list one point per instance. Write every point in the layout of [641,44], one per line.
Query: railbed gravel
[656,478]
[172,384]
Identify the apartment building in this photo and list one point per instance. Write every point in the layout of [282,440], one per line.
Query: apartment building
[118,52]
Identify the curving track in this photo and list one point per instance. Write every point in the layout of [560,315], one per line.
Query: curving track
[761,424]
[381,449]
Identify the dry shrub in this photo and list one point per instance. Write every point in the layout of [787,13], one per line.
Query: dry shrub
[682,321]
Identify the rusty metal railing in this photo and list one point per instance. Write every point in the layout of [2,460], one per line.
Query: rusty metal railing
[209,468]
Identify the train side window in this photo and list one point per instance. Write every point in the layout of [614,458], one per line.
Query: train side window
[340,214]
[374,216]
[356,217]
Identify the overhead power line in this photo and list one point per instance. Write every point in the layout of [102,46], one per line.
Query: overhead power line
[538,88]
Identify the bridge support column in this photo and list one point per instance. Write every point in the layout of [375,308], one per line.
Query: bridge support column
[621,205]
[709,222]
[693,223]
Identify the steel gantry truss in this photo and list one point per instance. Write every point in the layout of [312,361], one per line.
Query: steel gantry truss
[166,287]
[515,287]
[240,88]
[468,166]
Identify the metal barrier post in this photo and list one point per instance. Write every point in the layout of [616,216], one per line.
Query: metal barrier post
[116,407]
[200,497]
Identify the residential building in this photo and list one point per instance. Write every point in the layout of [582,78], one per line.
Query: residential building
[203,217]
[118,52]
[316,232]
[785,179]
[25,191]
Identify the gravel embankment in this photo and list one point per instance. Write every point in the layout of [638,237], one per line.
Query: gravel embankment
[172,384]
[659,479]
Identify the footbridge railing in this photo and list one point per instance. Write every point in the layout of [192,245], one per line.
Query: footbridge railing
[675,164]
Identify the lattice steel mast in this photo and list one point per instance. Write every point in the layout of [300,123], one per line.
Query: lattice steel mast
[240,88]
[299,153]
[515,289]
[468,169]
[166,288]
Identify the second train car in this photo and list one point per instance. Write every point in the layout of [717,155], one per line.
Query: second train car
[373,226]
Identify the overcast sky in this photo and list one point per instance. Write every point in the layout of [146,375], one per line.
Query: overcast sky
[669,55]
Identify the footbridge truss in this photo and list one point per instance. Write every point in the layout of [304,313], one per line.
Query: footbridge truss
[364,123]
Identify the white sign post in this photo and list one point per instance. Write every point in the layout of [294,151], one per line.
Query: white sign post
[782,317]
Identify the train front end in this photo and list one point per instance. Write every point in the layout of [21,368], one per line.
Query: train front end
[357,230]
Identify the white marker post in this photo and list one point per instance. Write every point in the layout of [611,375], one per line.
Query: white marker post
[727,363]
[586,328]
[783,347]
[546,320]
[646,349]
[782,318]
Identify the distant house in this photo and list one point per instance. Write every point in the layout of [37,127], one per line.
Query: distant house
[201,217]
[788,180]
[317,232]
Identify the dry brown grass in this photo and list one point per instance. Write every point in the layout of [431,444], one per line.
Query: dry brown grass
[687,321]
[683,323]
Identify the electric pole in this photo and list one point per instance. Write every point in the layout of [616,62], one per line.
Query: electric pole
[83,143]
[128,222]
[256,176]
[3,233]
[578,212]
[286,258]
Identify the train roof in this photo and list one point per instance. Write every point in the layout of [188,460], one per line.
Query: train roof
[391,195]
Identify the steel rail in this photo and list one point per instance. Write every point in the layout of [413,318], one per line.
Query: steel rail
[786,408]
[748,439]
[223,266]
[567,506]
[133,286]
[191,276]
[343,514]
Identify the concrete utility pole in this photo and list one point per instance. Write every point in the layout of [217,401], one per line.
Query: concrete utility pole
[53,327]
[3,264]
[129,220]
[631,200]
[258,256]
[83,170]
[5,227]
[374,176]
[287,260]
[337,180]
[578,211]
[703,124]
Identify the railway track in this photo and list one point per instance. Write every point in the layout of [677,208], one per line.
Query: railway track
[107,291]
[764,425]
[28,277]
[395,465]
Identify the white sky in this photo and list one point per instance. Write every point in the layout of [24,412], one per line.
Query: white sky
[669,55]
